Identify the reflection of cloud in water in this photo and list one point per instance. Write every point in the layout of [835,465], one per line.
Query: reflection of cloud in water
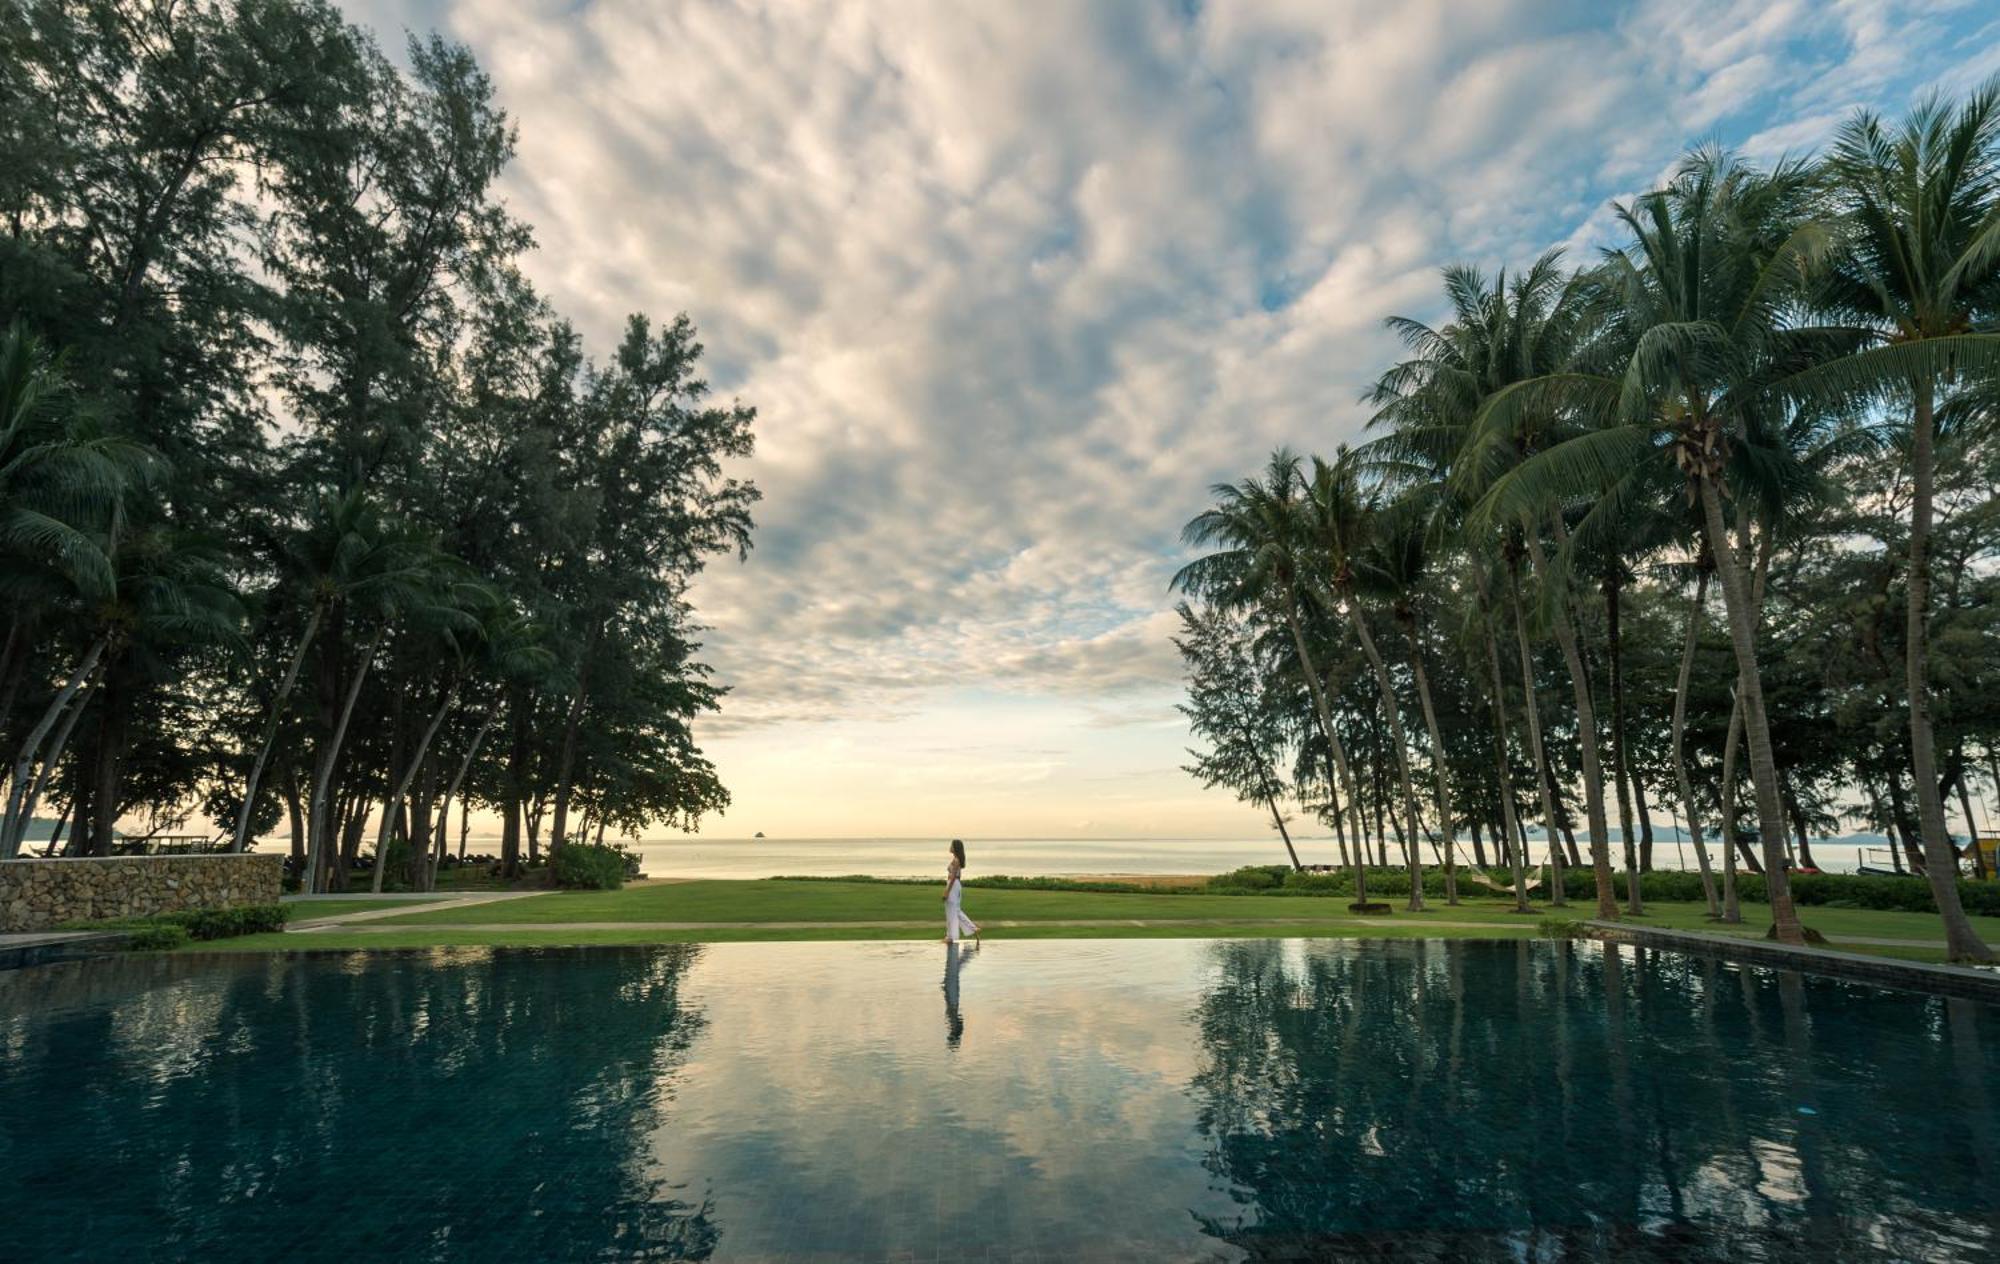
[1059,1116]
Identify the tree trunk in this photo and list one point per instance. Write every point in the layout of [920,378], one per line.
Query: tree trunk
[1558,894]
[1964,804]
[1645,824]
[321,823]
[1439,768]
[1394,713]
[1325,714]
[1620,769]
[516,783]
[31,746]
[394,803]
[108,756]
[18,828]
[241,839]
[566,763]
[1737,599]
[1962,942]
[1906,831]
[1586,732]
[1732,908]
[451,792]
[1516,859]
[1679,734]
[1264,781]
[1333,808]
[1799,824]
[295,811]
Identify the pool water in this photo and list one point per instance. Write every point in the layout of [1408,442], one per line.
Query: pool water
[1142,1100]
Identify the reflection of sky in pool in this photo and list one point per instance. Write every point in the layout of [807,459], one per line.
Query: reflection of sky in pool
[1050,1100]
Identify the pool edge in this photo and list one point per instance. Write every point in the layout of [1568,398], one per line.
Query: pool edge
[1915,976]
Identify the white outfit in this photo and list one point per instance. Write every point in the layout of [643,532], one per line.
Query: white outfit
[955,919]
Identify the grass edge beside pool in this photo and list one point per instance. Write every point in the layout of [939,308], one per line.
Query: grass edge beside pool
[750,910]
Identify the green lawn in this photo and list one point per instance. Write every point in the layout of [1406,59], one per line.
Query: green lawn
[755,909]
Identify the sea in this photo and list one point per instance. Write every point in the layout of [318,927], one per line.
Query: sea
[704,857]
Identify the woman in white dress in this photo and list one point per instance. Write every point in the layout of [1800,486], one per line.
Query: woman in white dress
[955,919]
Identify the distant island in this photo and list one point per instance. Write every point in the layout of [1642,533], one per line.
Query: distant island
[758,834]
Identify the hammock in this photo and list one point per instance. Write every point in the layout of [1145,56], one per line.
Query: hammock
[1484,881]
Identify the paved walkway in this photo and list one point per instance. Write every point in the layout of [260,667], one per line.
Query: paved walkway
[338,920]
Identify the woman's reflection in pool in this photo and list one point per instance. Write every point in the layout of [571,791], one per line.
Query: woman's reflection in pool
[954,1022]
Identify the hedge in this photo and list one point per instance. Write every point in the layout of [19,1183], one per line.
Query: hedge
[167,931]
[588,867]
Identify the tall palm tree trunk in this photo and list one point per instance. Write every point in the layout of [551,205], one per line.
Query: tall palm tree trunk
[1586,733]
[1558,893]
[1402,744]
[1634,903]
[1962,943]
[1516,860]
[1325,714]
[321,822]
[1738,600]
[1679,743]
[1333,809]
[241,839]
[1732,909]
[1438,767]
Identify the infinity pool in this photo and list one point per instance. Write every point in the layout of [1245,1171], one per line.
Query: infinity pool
[1141,1100]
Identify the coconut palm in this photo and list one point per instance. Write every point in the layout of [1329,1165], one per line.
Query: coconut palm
[1401,558]
[1692,333]
[1257,532]
[1919,268]
[1456,405]
[1338,516]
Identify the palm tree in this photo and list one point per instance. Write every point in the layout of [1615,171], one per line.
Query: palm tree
[1697,615]
[61,485]
[1338,518]
[1257,532]
[1920,214]
[1455,405]
[1401,557]
[1691,336]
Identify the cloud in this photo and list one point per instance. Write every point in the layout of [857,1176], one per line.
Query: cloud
[1011,285]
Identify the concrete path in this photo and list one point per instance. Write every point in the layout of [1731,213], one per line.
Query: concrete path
[336,920]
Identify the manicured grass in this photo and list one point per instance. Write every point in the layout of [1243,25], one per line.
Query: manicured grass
[640,934]
[754,910]
[778,900]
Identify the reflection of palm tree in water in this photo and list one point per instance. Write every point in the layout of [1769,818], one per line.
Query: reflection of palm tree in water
[954,1022]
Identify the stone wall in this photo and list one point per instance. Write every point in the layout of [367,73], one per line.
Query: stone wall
[43,894]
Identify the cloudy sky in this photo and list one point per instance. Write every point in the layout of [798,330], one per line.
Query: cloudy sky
[1011,284]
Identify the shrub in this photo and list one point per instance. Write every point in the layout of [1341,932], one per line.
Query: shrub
[1838,890]
[157,937]
[227,923]
[1250,878]
[1561,927]
[215,923]
[588,867]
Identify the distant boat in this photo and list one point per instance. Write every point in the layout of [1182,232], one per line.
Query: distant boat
[758,834]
